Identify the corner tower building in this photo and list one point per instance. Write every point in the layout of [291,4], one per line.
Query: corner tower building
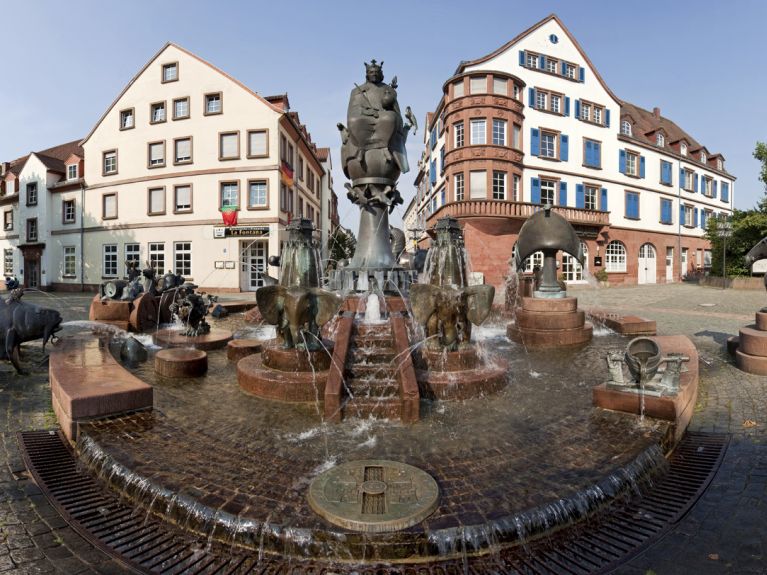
[534,123]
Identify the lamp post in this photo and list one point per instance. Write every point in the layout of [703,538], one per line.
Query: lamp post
[724,231]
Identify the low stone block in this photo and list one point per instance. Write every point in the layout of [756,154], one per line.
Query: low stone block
[761,320]
[564,304]
[549,320]
[750,363]
[752,341]
[239,348]
[181,362]
[215,339]
[109,310]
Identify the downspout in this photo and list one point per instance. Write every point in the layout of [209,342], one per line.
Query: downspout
[82,237]
[679,220]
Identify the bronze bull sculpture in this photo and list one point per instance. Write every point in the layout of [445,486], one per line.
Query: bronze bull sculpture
[21,322]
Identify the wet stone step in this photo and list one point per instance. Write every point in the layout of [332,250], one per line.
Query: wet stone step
[371,356]
[363,409]
[362,330]
[372,391]
[378,372]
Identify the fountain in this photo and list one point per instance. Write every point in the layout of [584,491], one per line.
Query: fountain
[750,346]
[549,318]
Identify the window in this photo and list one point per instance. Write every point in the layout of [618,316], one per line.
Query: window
[157,257]
[478,136]
[230,194]
[626,128]
[110,260]
[615,257]
[257,194]
[548,191]
[458,89]
[170,72]
[286,198]
[157,113]
[548,145]
[532,60]
[68,211]
[180,108]
[725,196]
[229,146]
[590,195]
[70,263]
[72,172]
[665,172]
[8,220]
[719,164]
[500,86]
[660,140]
[552,65]
[478,85]
[592,153]
[585,111]
[110,162]
[632,164]
[516,137]
[666,214]
[126,119]
[182,198]
[156,153]
[258,144]
[182,260]
[541,100]
[300,167]
[547,101]
[570,71]
[515,188]
[703,157]
[32,194]
[213,104]
[632,206]
[499,185]
[459,186]
[556,103]
[8,262]
[132,254]
[458,134]
[593,113]
[688,216]
[689,180]
[156,201]
[708,186]
[597,115]
[516,92]
[478,185]
[704,216]
[108,206]
[683,149]
[182,151]
[499,132]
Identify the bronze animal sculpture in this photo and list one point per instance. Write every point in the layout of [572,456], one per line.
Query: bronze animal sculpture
[21,322]
[191,309]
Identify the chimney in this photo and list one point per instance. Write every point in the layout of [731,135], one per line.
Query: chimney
[656,113]
[4,167]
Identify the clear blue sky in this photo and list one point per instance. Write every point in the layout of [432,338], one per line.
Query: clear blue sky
[700,62]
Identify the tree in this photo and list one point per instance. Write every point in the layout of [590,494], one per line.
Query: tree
[341,244]
[760,153]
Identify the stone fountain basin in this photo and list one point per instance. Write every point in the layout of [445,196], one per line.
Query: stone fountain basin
[237,468]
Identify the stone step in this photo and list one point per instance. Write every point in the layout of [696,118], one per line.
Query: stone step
[379,409]
[380,387]
[376,356]
[362,371]
[372,330]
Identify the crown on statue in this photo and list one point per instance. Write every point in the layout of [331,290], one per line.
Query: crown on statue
[373,66]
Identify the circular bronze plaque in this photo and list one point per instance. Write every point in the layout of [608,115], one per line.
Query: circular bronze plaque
[374,495]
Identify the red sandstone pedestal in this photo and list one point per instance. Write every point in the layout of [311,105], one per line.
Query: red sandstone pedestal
[677,409]
[290,375]
[215,339]
[751,347]
[457,375]
[181,362]
[239,348]
[555,322]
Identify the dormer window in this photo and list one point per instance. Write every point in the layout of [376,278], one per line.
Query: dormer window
[703,157]
[626,128]
[72,172]
[719,164]
[683,149]
[660,140]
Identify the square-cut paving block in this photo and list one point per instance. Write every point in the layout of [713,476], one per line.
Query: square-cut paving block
[87,383]
[677,409]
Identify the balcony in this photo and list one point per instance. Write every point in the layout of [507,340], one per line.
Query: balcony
[516,210]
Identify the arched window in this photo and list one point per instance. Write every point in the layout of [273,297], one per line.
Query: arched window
[615,257]
[626,128]
[660,140]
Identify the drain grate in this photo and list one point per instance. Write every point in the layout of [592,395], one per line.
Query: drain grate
[148,545]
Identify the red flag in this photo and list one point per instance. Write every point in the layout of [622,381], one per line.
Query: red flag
[230,216]
[286,174]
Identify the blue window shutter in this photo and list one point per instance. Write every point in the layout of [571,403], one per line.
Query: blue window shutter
[665,211]
[597,154]
[589,152]
[578,109]
[567,105]
[580,196]
[582,74]
[703,219]
[603,203]
[641,166]
[622,161]
[531,97]
[522,58]
[562,193]
[681,213]
[681,177]
[542,62]
[442,160]
[695,217]
[715,183]
[564,68]
[535,190]
[607,118]
[564,145]
[725,191]
[665,172]
[433,172]
[695,179]
[535,142]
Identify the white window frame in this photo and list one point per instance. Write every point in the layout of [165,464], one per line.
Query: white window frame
[548,151]
[632,164]
[548,187]
[69,261]
[182,258]
[626,128]
[615,257]
[459,183]
[590,200]
[72,174]
[499,185]
[157,254]
[478,132]
[109,260]
[458,135]
[264,190]
[499,131]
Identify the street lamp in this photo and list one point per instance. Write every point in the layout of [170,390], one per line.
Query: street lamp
[724,231]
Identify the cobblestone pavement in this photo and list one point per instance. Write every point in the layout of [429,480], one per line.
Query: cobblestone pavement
[726,532]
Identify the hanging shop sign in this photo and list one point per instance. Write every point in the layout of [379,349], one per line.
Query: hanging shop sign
[241,231]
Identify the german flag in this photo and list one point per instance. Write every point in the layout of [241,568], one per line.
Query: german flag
[286,174]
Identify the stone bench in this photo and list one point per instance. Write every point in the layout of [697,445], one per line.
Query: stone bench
[88,383]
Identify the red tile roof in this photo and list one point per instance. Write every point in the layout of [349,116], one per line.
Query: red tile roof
[323,154]
[53,158]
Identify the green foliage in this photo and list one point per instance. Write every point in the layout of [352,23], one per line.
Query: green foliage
[760,153]
[748,227]
[601,275]
[341,244]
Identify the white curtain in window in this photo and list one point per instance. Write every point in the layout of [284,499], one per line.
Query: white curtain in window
[157,200]
[228,145]
[478,185]
[258,143]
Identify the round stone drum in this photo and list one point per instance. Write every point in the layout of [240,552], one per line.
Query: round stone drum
[374,495]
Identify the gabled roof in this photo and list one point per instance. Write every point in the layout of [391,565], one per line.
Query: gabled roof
[646,122]
[464,64]
[188,53]
[53,158]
